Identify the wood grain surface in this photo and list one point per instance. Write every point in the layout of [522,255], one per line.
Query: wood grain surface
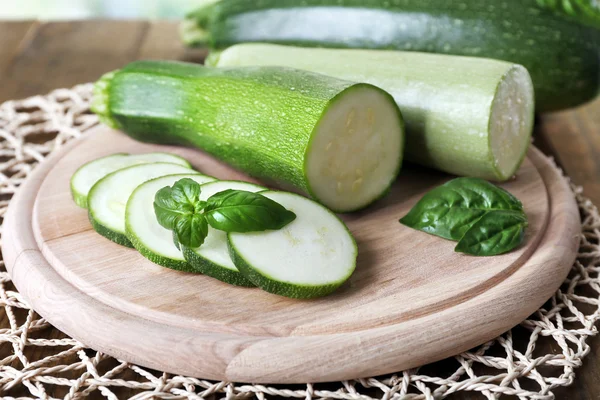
[31,64]
[382,320]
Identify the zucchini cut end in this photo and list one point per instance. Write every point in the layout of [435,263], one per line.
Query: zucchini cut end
[511,121]
[355,152]
[90,173]
[311,257]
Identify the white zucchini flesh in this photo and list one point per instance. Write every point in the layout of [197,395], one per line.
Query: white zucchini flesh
[510,120]
[212,258]
[143,230]
[310,257]
[108,197]
[356,151]
[88,174]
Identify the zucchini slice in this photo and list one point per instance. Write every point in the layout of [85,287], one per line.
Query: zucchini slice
[212,258]
[88,174]
[108,198]
[143,230]
[310,257]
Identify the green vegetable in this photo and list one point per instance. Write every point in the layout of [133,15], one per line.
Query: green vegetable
[108,198]
[583,11]
[212,258]
[338,141]
[561,55]
[180,209]
[486,220]
[450,210]
[87,175]
[311,257]
[144,231]
[191,231]
[241,211]
[496,232]
[465,116]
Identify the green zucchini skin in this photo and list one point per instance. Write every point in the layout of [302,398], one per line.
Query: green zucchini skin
[286,286]
[285,289]
[116,237]
[260,120]
[208,268]
[166,262]
[561,55]
[583,11]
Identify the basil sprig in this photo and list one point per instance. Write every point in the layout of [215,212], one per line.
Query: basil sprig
[485,219]
[239,211]
[179,209]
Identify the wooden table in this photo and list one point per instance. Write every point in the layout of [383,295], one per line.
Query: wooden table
[38,57]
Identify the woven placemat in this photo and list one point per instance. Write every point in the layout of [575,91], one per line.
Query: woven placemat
[37,361]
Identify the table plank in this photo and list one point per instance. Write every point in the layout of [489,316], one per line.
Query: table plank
[162,43]
[13,35]
[573,137]
[62,54]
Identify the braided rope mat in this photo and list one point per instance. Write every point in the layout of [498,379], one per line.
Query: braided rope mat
[37,361]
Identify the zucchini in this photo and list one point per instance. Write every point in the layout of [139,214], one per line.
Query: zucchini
[337,141]
[87,175]
[143,230]
[466,116]
[212,258]
[583,11]
[108,198]
[561,55]
[311,257]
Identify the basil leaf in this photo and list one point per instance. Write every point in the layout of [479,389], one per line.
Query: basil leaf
[191,230]
[497,232]
[167,210]
[241,211]
[451,209]
[186,192]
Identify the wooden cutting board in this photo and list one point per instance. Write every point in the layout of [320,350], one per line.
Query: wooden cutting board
[411,301]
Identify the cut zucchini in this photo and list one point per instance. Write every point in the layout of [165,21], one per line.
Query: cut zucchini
[88,174]
[212,258]
[108,197]
[338,141]
[310,257]
[143,230]
[466,116]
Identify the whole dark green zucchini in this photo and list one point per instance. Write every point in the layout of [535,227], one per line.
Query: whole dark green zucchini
[561,55]
[583,11]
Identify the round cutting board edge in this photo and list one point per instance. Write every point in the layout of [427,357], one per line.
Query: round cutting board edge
[289,360]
